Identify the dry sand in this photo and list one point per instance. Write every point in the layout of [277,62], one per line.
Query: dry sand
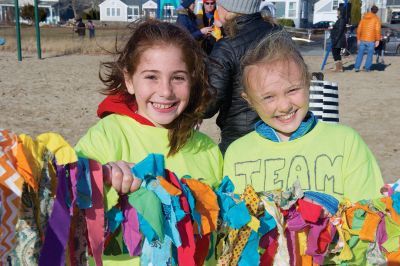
[60,94]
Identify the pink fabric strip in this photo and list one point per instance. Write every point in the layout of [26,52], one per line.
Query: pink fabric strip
[95,215]
[130,226]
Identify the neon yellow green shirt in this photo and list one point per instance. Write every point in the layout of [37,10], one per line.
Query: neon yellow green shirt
[118,137]
[331,158]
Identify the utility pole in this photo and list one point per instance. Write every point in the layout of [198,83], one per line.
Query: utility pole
[18,30]
[37,29]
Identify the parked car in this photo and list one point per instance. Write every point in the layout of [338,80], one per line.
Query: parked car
[323,25]
[395,18]
[392,42]
[390,36]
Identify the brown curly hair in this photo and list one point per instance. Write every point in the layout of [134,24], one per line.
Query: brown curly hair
[146,34]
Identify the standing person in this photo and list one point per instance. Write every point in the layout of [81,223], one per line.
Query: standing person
[91,29]
[80,28]
[368,37]
[244,27]
[338,40]
[188,20]
[289,144]
[157,91]
[207,18]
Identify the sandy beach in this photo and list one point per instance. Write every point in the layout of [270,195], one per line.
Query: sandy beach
[61,94]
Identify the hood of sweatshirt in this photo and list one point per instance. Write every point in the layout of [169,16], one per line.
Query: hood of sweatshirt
[369,15]
[117,104]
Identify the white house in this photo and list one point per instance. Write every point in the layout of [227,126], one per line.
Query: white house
[51,6]
[326,10]
[129,10]
[300,11]
[288,9]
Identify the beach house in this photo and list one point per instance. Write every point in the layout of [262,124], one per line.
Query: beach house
[130,10]
[51,7]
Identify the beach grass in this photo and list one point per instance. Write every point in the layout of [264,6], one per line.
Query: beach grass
[63,40]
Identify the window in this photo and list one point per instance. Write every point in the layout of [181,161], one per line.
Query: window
[113,12]
[133,12]
[335,4]
[118,12]
[292,10]
[280,9]
[108,11]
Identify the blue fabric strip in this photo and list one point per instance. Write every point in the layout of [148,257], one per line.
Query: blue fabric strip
[147,170]
[148,232]
[250,254]
[269,133]
[152,165]
[83,185]
[114,219]
[192,204]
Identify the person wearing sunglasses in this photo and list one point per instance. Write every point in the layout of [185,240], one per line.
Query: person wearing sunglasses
[188,20]
[208,17]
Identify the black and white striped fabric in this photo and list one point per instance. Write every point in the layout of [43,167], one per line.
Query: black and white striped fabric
[331,102]
[324,100]
[317,98]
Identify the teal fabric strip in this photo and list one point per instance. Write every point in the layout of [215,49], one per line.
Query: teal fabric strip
[84,186]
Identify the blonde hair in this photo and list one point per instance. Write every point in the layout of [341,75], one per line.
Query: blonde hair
[231,24]
[273,48]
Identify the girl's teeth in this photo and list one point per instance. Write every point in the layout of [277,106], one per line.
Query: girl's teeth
[286,117]
[162,106]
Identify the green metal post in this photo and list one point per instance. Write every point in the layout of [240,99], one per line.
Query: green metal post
[18,30]
[37,29]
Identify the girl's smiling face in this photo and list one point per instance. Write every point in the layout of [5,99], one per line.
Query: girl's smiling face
[161,84]
[277,93]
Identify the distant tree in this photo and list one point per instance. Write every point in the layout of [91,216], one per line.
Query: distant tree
[90,13]
[355,12]
[78,6]
[28,13]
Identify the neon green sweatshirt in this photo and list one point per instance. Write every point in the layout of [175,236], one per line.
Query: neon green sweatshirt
[331,158]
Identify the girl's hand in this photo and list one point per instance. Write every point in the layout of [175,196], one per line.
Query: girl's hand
[217,23]
[119,176]
[206,30]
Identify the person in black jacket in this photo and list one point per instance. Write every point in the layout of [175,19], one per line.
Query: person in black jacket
[80,28]
[244,27]
[188,20]
[338,39]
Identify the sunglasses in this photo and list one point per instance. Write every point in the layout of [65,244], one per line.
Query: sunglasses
[209,3]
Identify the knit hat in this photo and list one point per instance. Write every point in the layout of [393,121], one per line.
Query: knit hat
[240,6]
[329,202]
[187,3]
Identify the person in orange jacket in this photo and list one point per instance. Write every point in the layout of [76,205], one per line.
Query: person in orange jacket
[368,37]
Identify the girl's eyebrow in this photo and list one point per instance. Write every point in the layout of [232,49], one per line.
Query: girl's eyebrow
[180,71]
[158,71]
[297,85]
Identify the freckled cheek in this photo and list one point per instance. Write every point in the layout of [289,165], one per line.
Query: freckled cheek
[305,100]
[266,110]
[183,93]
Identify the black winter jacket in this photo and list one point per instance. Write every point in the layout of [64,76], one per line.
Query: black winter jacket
[338,33]
[235,117]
